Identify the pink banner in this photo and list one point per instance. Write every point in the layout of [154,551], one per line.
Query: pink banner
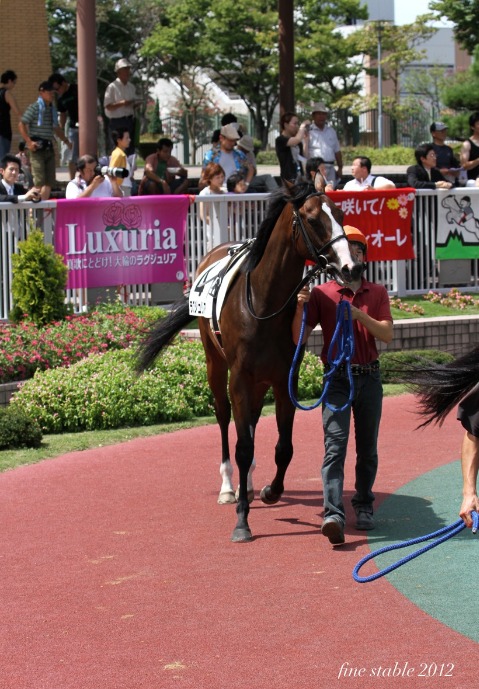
[385,217]
[129,241]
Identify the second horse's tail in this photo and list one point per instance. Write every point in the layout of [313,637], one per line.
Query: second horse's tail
[162,333]
[441,388]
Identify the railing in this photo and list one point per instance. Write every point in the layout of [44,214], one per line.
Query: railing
[235,218]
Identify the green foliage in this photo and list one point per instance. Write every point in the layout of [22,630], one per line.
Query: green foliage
[392,155]
[26,348]
[464,14]
[39,281]
[394,365]
[103,391]
[154,126]
[18,429]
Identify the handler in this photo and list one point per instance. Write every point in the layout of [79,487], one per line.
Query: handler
[468,415]
[371,313]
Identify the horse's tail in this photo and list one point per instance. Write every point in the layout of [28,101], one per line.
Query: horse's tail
[441,388]
[162,333]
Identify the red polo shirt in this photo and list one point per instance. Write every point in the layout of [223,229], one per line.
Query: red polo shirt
[371,298]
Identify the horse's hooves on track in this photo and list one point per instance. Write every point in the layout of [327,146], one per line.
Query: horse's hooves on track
[242,536]
[268,497]
[250,495]
[226,498]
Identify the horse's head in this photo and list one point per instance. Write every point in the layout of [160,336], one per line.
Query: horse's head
[320,222]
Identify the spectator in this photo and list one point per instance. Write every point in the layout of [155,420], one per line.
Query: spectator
[10,189]
[235,184]
[88,182]
[289,146]
[120,102]
[470,152]
[228,118]
[446,161]
[38,126]
[363,179]
[425,174]
[230,159]
[316,170]
[8,81]
[372,321]
[322,141]
[259,183]
[214,177]
[164,174]
[23,156]
[67,105]
[118,158]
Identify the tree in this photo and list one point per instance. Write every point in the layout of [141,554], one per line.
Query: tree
[155,126]
[465,16]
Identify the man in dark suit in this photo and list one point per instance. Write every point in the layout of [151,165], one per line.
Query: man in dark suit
[425,175]
[10,190]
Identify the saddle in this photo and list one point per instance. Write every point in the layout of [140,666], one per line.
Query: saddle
[209,290]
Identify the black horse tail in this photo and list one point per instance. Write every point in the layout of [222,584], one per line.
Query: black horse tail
[441,388]
[162,333]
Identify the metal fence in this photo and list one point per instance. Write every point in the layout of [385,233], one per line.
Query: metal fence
[235,218]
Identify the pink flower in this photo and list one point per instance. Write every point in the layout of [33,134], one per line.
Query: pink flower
[113,214]
[132,216]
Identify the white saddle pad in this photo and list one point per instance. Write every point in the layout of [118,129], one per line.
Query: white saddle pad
[209,289]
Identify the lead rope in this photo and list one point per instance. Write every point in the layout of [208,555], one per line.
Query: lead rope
[441,535]
[343,337]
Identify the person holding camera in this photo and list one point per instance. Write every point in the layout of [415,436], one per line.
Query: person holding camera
[10,188]
[91,182]
[39,126]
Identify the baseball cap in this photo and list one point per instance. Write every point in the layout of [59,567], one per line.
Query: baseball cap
[120,64]
[319,107]
[247,143]
[229,131]
[437,127]
[46,86]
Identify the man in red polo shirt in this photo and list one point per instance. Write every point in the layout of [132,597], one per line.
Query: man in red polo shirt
[372,321]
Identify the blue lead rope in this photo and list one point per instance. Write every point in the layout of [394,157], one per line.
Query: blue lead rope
[442,535]
[343,338]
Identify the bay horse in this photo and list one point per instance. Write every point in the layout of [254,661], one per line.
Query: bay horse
[256,347]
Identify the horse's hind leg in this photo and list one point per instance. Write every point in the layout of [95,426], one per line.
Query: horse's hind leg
[285,411]
[217,371]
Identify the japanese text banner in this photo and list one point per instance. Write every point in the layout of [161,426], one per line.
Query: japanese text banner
[385,218]
[111,241]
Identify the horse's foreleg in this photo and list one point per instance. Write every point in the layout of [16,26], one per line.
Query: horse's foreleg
[285,410]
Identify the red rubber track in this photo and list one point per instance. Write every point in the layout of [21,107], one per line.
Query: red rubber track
[117,571]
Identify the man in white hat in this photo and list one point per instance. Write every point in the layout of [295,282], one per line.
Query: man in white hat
[228,156]
[322,142]
[259,183]
[120,102]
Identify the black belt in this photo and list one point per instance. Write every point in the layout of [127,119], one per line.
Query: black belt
[330,162]
[125,117]
[357,369]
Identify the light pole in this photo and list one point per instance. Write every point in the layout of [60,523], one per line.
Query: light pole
[379,26]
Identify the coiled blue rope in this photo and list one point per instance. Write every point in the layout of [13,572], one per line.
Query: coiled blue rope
[441,535]
[343,337]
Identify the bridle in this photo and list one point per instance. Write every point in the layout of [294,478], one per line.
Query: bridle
[321,262]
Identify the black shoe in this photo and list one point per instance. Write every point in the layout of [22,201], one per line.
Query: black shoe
[333,528]
[364,519]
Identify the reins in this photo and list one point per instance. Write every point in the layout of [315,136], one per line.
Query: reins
[321,266]
[343,339]
[441,535]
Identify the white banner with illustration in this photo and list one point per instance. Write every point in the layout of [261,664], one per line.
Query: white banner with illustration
[457,233]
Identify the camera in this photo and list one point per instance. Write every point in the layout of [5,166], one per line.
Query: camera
[111,171]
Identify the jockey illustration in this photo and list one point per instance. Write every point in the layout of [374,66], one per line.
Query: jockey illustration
[461,216]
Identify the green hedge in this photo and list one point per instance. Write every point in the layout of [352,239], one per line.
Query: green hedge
[392,155]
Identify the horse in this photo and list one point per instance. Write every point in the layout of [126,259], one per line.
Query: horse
[255,347]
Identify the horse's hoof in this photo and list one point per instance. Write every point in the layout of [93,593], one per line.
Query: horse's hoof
[250,495]
[242,535]
[226,498]
[268,497]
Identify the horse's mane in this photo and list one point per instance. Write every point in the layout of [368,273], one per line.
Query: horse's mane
[441,388]
[296,195]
